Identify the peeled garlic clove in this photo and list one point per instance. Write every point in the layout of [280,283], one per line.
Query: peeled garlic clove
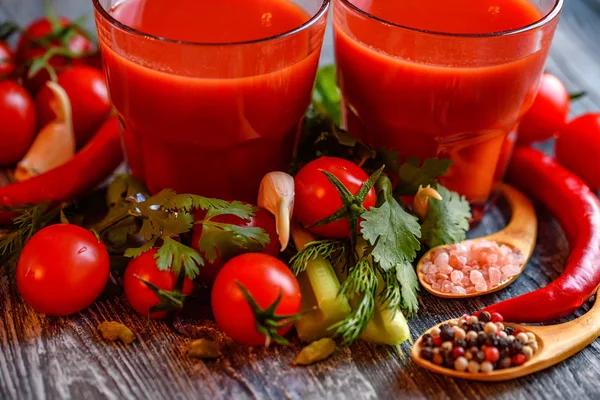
[276,194]
[421,202]
[54,144]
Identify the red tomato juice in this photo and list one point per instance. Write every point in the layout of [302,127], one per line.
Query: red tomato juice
[209,119]
[427,95]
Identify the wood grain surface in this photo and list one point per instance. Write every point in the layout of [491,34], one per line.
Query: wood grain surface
[65,358]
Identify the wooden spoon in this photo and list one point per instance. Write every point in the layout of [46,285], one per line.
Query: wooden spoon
[555,344]
[520,233]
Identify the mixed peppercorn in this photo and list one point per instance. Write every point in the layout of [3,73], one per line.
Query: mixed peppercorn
[477,344]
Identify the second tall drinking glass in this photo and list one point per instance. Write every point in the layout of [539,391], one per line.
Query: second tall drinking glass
[437,78]
[210,94]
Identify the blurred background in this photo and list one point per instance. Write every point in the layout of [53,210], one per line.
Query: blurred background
[575,55]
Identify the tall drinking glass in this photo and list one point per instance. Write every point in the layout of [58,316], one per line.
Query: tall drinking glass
[210,94]
[438,78]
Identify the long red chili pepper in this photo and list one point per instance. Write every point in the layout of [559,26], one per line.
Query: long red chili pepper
[577,209]
[88,168]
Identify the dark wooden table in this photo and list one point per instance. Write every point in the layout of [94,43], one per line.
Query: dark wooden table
[65,357]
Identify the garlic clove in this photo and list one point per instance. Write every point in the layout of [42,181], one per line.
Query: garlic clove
[54,144]
[276,194]
[421,201]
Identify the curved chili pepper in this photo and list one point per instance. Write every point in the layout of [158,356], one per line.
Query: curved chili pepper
[577,209]
[88,168]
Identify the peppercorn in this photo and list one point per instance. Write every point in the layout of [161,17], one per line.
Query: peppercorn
[473,367]
[461,343]
[496,317]
[522,337]
[461,364]
[467,327]
[459,352]
[518,359]
[509,330]
[485,316]
[427,353]
[510,338]
[504,352]
[452,323]
[446,333]
[437,341]
[447,346]
[531,336]
[478,326]
[469,355]
[471,335]
[481,338]
[491,340]
[459,334]
[486,366]
[448,361]
[438,359]
[502,343]
[426,340]
[435,331]
[472,342]
[500,326]
[492,354]
[528,351]
[490,328]
[479,356]
[472,319]
[504,363]
[515,347]
[503,334]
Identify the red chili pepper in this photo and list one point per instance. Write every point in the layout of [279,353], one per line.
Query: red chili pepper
[88,168]
[577,209]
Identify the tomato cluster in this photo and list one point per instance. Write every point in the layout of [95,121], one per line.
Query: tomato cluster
[577,145]
[49,48]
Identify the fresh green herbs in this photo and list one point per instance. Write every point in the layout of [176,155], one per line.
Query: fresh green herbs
[331,249]
[447,220]
[326,93]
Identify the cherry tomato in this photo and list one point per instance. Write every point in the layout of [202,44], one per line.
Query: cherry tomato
[548,113]
[62,270]
[265,278]
[86,88]
[28,48]
[141,297]
[262,219]
[7,60]
[578,148]
[316,198]
[17,122]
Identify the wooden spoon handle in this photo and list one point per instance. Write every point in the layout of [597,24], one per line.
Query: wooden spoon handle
[521,230]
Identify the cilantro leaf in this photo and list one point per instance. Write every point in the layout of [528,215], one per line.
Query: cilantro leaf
[175,255]
[227,240]
[407,277]
[326,93]
[411,175]
[137,251]
[393,232]
[447,220]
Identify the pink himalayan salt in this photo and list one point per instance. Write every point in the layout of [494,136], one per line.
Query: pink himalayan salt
[472,266]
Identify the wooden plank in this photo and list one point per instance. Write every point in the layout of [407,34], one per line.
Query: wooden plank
[66,358]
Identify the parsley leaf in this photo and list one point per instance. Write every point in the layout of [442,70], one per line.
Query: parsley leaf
[392,231]
[227,240]
[173,254]
[447,220]
[411,175]
[406,275]
[327,94]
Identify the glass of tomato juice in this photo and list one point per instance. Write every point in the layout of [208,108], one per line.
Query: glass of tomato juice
[439,78]
[210,94]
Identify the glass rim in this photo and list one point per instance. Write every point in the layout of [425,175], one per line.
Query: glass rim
[551,15]
[310,22]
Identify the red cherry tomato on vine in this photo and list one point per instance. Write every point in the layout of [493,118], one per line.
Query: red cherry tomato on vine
[7,60]
[29,49]
[17,122]
[62,270]
[578,148]
[316,198]
[548,113]
[262,219]
[86,88]
[265,278]
[141,297]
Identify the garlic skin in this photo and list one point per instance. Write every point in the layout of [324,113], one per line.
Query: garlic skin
[421,201]
[276,194]
[54,144]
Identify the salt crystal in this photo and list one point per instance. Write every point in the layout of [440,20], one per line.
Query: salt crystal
[495,276]
[476,277]
[470,289]
[429,278]
[510,270]
[462,260]
[480,287]
[436,286]
[459,290]
[466,282]
[432,269]
[447,287]
[456,276]
[441,277]
[442,259]
[445,269]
